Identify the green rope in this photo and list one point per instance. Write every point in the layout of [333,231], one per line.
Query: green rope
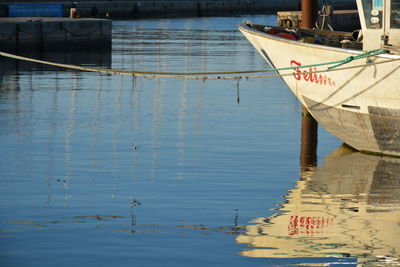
[363,55]
[187,75]
[338,63]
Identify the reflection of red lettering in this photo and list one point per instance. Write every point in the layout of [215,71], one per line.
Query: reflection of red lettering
[310,75]
[307,225]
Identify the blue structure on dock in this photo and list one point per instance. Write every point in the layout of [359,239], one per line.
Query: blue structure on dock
[35,10]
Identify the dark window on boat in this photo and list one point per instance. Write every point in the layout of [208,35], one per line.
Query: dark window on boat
[373,13]
[395,16]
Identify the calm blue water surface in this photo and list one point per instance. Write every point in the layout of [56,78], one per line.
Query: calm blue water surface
[107,170]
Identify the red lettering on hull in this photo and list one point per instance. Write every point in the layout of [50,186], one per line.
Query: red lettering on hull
[310,75]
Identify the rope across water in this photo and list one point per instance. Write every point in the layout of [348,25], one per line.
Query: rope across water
[209,75]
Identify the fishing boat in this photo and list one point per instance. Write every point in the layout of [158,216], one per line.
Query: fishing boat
[348,81]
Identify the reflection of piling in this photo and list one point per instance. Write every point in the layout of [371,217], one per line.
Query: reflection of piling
[309,140]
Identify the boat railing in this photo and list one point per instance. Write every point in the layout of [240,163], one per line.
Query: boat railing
[352,40]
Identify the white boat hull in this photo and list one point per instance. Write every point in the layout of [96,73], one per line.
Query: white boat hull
[359,105]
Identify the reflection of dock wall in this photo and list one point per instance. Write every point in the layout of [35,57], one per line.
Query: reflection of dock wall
[178,8]
[54,34]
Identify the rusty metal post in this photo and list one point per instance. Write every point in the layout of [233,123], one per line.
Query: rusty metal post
[309,141]
[309,126]
[309,13]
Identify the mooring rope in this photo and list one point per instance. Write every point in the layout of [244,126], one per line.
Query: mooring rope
[206,75]
[367,54]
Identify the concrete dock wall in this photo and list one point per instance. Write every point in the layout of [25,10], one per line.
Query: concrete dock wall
[54,34]
[161,9]
[124,9]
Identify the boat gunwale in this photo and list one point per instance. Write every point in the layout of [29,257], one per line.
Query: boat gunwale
[245,28]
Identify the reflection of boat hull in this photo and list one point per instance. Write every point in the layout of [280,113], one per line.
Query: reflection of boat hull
[350,207]
[359,105]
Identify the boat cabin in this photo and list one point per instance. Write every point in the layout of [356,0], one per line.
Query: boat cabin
[380,24]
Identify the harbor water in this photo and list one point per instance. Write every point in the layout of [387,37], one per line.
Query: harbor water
[109,170]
